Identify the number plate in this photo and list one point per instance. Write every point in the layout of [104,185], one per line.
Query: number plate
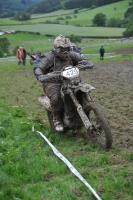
[69,73]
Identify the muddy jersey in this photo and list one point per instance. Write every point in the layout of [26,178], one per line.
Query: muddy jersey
[49,62]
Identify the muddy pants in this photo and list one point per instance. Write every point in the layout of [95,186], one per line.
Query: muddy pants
[52,90]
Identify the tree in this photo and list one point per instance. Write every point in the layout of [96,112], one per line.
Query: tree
[116,22]
[128,12]
[22,16]
[129,30]
[99,19]
[75,38]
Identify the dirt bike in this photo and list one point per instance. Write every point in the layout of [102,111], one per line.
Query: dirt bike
[80,111]
[33,58]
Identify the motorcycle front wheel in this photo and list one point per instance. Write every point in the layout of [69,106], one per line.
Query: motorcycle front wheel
[100,132]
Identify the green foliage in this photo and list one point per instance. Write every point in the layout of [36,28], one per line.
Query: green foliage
[22,16]
[99,19]
[75,38]
[128,12]
[9,7]
[116,22]
[45,6]
[129,30]
[68,17]
[4,45]
[76,11]
[1,52]
[15,50]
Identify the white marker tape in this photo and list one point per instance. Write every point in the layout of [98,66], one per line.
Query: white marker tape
[69,165]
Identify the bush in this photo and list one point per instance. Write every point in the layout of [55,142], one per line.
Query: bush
[49,35]
[4,45]
[76,11]
[129,30]
[75,38]
[15,50]
[1,52]
[60,18]
[68,17]
[115,22]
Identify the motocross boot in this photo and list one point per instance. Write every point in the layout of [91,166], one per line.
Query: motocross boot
[58,122]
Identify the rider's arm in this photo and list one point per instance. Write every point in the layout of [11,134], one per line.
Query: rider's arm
[77,59]
[42,67]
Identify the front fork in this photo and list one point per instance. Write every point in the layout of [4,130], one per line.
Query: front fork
[81,112]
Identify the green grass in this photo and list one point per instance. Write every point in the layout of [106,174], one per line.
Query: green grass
[90,47]
[28,167]
[56,29]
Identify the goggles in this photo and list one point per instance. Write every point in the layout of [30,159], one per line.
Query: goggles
[62,50]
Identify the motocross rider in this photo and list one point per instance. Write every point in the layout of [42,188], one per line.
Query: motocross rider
[62,55]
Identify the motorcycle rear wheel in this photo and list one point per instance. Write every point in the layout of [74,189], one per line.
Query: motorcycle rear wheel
[100,132]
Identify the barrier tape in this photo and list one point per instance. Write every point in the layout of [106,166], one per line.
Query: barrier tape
[71,167]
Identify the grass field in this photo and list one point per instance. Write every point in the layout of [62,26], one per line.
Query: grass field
[28,168]
[56,29]
[83,18]
[90,47]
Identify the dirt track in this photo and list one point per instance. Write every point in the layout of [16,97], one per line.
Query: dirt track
[125,51]
[114,94]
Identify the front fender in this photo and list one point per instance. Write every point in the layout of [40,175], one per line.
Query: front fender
[84,87]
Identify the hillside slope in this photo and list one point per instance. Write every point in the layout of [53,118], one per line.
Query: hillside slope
[84,16]
[16,5]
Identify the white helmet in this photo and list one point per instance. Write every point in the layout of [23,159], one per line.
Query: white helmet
[63,42]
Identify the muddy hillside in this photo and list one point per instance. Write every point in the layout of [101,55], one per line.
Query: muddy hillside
[114,95]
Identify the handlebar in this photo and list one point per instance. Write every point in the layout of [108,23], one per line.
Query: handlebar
[56,75]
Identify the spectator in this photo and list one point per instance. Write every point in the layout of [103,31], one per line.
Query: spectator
[101,51]
[24,56]
[38,54]
[20,55]
[77,50]
[80,50]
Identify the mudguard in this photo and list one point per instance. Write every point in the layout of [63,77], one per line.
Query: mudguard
[84,87]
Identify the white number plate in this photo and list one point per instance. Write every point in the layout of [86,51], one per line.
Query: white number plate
[70,72]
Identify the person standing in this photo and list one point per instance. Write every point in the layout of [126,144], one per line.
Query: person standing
[102,51]
[20,55]
[38,54]
[24,56]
